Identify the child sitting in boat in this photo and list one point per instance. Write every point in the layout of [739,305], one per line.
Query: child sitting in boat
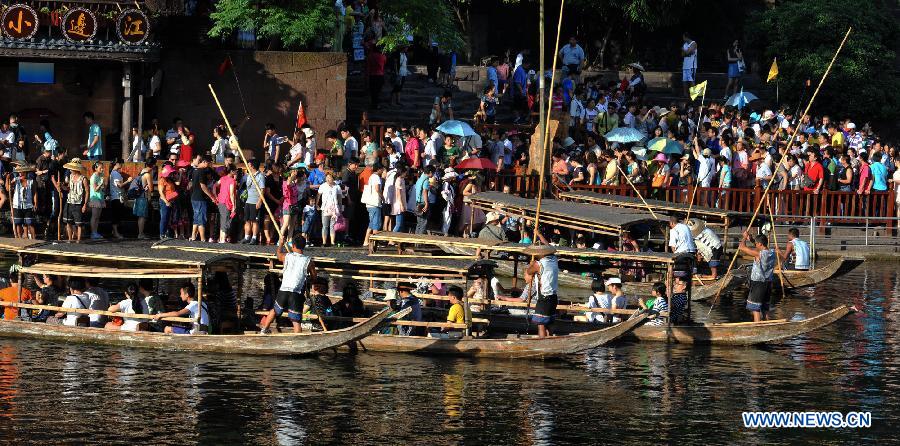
[657,304]
[133,303]
[192,309]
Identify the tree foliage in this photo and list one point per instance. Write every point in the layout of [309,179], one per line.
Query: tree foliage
[295,23]
[804,34]
[299,23]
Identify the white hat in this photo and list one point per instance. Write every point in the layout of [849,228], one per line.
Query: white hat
[568,142]
[767,115]
[707,152]
[613,281]
[851,126]
[449,174]
[637,66]
[492,216]
[532,72]
[308,132]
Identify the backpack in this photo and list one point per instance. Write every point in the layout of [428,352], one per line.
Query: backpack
[831,182]
[854,181]
[134,189]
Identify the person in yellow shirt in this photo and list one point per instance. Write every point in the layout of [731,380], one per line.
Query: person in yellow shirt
[837,137]
[457,314]
[610,173]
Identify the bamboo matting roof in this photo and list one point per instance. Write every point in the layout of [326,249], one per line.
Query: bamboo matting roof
[660,206]
[125,251]
[578,216]
[15,244]
[343,258]
[497,246]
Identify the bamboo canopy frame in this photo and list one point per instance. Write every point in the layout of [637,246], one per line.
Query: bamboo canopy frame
[812,99]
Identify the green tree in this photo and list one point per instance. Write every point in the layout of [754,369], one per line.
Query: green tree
[300,23]
[804,34]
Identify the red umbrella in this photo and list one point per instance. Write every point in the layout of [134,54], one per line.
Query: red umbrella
[477,163]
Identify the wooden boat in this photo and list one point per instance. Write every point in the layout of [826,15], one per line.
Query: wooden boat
[738,333]
[837,268]
[511,347]
[253,344]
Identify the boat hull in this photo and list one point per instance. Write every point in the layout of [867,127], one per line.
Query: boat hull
[741,333]
[254,344]
[548,347]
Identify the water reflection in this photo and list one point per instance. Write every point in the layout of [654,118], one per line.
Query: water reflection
[630,393]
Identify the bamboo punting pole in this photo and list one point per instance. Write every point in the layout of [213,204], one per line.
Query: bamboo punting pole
[619,168]
[777,257]
[240,152]
[812,99]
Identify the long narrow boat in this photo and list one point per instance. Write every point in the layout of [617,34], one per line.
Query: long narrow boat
[524,347]
[738,333]
[253,344]
[837,268]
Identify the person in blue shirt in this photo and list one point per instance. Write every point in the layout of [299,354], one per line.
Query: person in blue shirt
[879,173]
[425,199]
[493,77]
[520,92]
[568,85]
[93,150]
[316,176]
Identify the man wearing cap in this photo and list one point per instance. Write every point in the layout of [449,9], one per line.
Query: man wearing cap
[617,299]
[43,187]
[298,269]
[493,229]
[76,201]
[545,270]
[680,239]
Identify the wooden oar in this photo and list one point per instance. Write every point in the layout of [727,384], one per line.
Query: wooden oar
[784,158]
[619,168]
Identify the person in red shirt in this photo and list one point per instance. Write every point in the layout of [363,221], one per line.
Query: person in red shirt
[814,171]
[186,151]
[375,69]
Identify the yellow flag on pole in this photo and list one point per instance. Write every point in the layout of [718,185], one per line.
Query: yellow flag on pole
[773,71]
[698,90]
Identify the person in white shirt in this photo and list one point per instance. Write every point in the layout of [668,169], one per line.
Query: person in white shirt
[194,310]
[707,168]
[576,109]
[680,239]
[298,269]
[219,147]
[75,300]
[99,301]
[133,303]
[799,248]
[689,62]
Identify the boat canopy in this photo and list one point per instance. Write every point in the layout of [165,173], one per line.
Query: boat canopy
[712,215]
[59,269]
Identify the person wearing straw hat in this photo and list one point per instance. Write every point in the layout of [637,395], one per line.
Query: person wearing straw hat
[545,270]
[493,230]
[708,244]
[76,201]
[636,85]
[24,201]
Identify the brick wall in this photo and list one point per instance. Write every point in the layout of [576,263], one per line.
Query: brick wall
[272,83]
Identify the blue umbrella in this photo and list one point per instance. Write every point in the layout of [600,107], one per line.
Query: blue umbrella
[740,100]
[458,128]
[624,135]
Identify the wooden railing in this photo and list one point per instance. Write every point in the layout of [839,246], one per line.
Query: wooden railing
[844,207]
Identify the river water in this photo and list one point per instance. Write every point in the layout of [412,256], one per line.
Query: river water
[631,393]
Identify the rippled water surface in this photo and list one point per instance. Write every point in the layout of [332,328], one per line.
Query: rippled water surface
[627,393]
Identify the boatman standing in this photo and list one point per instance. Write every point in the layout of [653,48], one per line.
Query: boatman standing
[799,248]
[545,270]
[709,245]
[298,269]
[761,274]
[680,239]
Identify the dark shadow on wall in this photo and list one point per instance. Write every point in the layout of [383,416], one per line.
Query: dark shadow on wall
[258,87]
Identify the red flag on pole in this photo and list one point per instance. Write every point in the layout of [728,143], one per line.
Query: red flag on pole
[301,116]
[225,65]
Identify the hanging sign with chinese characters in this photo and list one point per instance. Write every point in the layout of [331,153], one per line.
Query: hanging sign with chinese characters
[132,26]
[79,25]
[20,22]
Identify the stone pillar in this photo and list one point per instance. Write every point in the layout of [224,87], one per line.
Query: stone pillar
[127,118]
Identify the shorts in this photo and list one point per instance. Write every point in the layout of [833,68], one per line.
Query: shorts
[290,301]
[200,216]
[224,217]
[73,214]
[178,329]
[141,207]
[97,204]
[374,218]
[758,297]
[542,320]
[716,259]
[687,74]
[23,216]
[250,212]
[574,68]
